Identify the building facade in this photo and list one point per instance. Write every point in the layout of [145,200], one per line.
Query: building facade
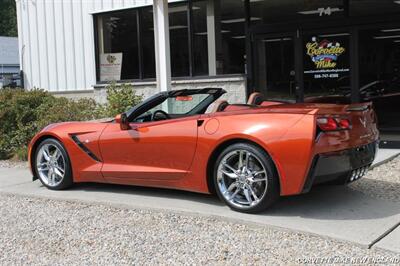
[290,50]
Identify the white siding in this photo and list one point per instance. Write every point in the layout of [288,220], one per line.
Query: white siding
[56,41]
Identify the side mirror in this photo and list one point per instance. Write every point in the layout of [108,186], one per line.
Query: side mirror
[122,120]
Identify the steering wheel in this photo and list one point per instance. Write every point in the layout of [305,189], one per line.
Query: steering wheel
[156,115]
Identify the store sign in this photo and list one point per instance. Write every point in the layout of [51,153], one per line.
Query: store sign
[110,66]
[325,56]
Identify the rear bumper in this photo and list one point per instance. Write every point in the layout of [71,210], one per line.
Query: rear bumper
[341,166]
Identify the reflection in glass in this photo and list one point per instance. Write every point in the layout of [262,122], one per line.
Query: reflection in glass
[179,44]
[200,38]
[380,75]
[231,57]
[147,35]
[275,68]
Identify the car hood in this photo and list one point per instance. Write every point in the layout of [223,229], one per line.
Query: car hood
[77,127]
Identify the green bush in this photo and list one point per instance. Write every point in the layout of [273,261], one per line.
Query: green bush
[24,113]
[17,117]
[120,97]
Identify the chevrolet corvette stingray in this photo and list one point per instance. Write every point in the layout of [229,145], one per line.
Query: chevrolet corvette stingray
[248,154]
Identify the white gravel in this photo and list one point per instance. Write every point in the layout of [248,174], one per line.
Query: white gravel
[13,164]
[382,182]
[49,232]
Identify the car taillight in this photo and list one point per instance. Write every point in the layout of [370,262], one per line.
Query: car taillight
[333,124]
[344,123]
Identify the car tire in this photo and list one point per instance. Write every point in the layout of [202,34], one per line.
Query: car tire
[249,184]
[52,165]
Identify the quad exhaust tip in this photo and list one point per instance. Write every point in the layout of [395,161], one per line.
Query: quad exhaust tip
[358,173]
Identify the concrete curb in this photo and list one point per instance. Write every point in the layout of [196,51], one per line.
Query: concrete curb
[384,161]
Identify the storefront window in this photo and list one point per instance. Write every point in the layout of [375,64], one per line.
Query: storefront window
[147,39]
[118,46]
[276,68]
[200,38]
[231,56]
[208,40]
[179,45]
[326,60]
[379,52]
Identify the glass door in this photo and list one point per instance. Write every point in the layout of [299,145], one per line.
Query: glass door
[326,57]
[274,61]
[379,72]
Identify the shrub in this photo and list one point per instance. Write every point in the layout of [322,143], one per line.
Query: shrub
[62,109]
[120,97]
[24,113]
[17,117]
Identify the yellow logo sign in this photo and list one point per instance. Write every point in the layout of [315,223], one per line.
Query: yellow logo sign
[324,54]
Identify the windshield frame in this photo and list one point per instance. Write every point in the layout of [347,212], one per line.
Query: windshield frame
[157,99]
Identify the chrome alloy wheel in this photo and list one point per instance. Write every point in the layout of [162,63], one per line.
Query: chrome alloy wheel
[242,179]
[50,165]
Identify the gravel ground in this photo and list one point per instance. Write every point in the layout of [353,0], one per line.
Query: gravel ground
[382,182]
[48,232]
[13,164]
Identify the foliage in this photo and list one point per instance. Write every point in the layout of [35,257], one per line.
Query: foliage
[24,113]
[17,117]
[61,109]
[120,97]
[8,18]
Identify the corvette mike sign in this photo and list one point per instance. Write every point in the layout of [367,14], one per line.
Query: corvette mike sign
[110,66]
[326,57]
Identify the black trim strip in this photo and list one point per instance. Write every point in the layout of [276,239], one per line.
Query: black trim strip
[310,178]
[84,148]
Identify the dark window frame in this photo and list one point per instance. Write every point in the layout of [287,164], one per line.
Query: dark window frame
[190,40]
[353,23]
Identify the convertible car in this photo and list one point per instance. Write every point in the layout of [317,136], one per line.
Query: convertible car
[248,154]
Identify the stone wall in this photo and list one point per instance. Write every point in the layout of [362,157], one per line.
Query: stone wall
[235,87]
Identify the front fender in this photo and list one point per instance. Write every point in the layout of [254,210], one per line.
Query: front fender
[84,168]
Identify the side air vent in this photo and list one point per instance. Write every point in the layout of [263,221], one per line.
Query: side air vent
[84,148]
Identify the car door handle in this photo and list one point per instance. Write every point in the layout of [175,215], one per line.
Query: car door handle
[200,122]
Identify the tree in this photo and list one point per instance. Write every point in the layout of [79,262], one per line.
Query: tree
[8,18]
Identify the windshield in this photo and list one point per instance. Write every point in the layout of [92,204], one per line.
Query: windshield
[174,104]
[173,107]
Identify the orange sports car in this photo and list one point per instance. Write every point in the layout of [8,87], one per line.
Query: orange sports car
[248,154]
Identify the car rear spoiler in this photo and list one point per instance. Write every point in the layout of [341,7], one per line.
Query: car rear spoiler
[359,107]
